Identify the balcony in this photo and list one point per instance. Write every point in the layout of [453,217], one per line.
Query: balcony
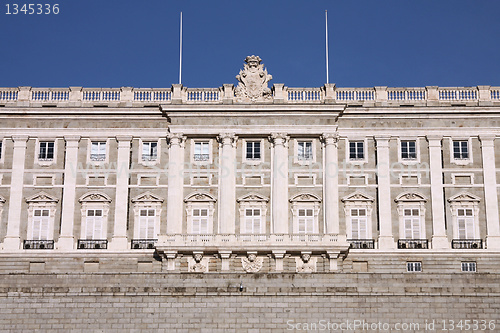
[413,244]
[201,157]
[250,242]
[97,157]
[141,244]
[149,157]
[467,244]
[368,244]
[92,244]
[38,244]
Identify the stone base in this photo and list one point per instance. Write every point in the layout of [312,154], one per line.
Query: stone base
[386,242]
[12,243]
[119,243]
[493,242]
[66,243]
[440,242]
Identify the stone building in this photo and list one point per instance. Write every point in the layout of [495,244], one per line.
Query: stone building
[249,178]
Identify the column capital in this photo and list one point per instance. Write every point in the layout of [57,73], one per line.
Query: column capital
[176,139]
[20,138]
[487,140]
[72,138]
[434,137]
[382,140]
[279,139]
[227,139]
[330,139]
[121,138]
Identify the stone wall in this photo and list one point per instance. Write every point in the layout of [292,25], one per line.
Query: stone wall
[275,302]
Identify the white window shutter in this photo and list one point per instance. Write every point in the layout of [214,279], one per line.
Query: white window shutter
[256,225]
[354,228]
[416,227]
[44,228]
[470,228]
[362,228]
[462,233]
[89,232]
[204,226]
[302,225]
[151,228]
[97,227]
[143,221]
[36,228]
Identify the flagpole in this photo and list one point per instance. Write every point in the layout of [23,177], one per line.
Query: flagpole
[180,54]
[326,43]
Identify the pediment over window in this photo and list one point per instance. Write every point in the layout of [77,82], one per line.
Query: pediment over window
[200,197]
[305,197]
[410,197]
[464,197]
[147,197]
[358,196]
[42,197]
[252,197]
[95,197]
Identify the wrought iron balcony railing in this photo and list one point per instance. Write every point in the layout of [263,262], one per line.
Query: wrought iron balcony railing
[413,244]
[201,157]
[93,244]
[141,244]
[362,243]
[149,157]
[467,244]
[38,244]
[97,157]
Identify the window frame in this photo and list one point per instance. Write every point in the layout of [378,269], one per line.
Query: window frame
[305,201]
[41,201]
[460,201]
[363,160]
[470,266]
[210,151]
[2,150]
[413,266]
[197,201]
[94,201]
[461,161]
[46,162]
[252,201]
[296,158]
[140,159]
[408,161]
[244,151]
[89,150]
[358,200]
[411,201]
[147,201]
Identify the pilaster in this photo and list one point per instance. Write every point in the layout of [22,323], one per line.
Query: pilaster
[175,192]
[227,175]
[331,183]
[386,238]
[279,190]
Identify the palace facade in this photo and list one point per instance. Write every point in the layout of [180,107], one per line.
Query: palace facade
[250,178]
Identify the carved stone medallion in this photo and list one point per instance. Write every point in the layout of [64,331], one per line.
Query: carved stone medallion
[252,264]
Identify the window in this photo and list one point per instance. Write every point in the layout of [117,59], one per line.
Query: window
[253,150]
[147,222]
[1,149]
[46,151]
[468,266]
[253,221]
[411,221]
[201,151]
[306,221]
[460,150]
[149,151]
[414,266]
[408,150]
[356,150]
[199,221]
[93,224]
[40,227]
[465,221]
[98,151]
[358,224]
[305,150]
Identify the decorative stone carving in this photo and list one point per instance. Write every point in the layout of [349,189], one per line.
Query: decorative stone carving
[252,264]
[253,80]
[227,139]
[279,139]
[147,197]
[199,265]
[306,264]
[176,139]
[95,197]
[330,139]
[41,197]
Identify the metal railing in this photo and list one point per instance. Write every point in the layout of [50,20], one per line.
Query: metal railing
[368,244]
[413,244]
[38,244]
[97,157]
[467,244]
[141,244]
[93,244]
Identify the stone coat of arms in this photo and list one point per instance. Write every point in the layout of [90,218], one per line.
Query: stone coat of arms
[253,79]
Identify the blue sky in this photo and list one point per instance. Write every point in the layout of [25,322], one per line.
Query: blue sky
[114,43]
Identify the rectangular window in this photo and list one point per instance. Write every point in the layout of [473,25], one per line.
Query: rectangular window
[356,150]
[1,149]
[411,220]
[98,151]
[149,151]
[408,150]
[468,267]
[94,224]
[46,152]
[306,221]
[40,230]
[201,151]
[252,221]
[461,150]
[465,221]
[414,266]
[253,150]
[358,224]
[304,150]
[200,221]
[147,219]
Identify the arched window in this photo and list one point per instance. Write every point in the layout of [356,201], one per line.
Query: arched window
[253,209]
[200,207]
[305,210]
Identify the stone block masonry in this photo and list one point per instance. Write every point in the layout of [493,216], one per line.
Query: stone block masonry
[232,302]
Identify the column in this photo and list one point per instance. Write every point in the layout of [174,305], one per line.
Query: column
[385,239]
[227,176]
[12,239]
[175,183]
[120,241]
[490,191]
[439,238]
[331,183]
[279,190]
[66,238]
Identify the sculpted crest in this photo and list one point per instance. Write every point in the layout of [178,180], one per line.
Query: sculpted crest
[253,80]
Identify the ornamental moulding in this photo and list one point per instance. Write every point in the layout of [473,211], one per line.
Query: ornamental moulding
[41,197]
[253,80]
